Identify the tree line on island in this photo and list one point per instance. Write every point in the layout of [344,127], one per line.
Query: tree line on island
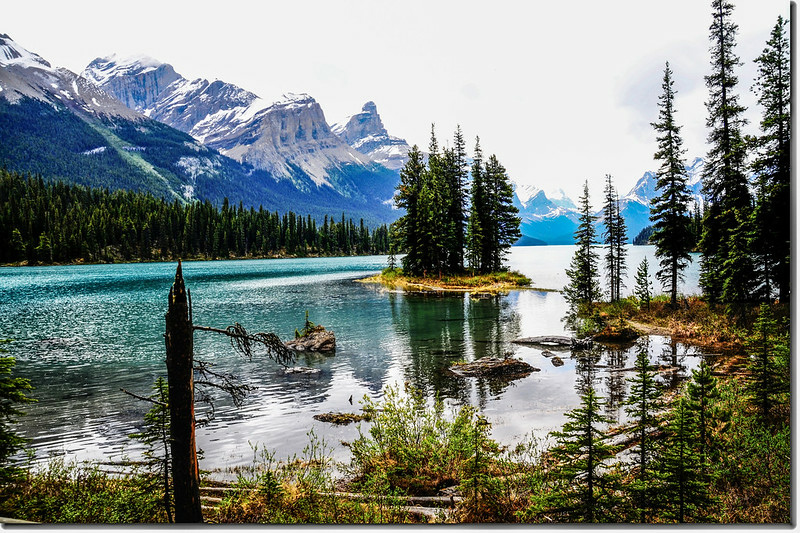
[42,223]
[448,227]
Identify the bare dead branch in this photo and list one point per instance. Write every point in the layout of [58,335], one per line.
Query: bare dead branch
[244,343]
[129,393]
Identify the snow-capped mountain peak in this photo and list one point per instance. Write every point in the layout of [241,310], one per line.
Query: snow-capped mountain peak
[12,53]
[366,133]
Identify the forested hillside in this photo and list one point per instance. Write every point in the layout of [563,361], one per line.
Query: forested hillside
[54,222]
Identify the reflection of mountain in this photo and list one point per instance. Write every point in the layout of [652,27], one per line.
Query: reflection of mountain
[442,330]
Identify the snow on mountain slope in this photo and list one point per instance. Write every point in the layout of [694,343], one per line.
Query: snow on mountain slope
[289,138]
[26,74]
[366,133]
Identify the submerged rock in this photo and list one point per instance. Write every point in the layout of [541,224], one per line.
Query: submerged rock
[302,370]
[340,419]
[557,361]
[318,340]
[494,367]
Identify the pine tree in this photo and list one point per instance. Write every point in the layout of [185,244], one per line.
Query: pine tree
[772,165]
[477,211]
[684,487]
[670,210]
[769,351]
[585,488]
[583,287]
[614,236]
[702,393]
[503,223]
[644,287]
[724,178]
[456,177]
[641,406]
[407,230]
[155,437]
[12,393]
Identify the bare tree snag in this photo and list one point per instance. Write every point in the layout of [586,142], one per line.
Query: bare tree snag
[180,368]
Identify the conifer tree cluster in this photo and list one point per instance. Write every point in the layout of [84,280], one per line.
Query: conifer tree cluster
[54,222]
[436,233]
[742,233]
[739,230]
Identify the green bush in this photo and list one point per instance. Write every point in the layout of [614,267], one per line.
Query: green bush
[412,447]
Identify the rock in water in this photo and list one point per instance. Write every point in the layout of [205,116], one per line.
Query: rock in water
[557,361]
[318,340]
[494,367]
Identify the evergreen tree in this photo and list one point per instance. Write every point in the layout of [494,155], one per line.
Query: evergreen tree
[684,487]
[156,437]
[644,287]
[769,351]
[456,178]
[702,393]
[12,393]
[477,212]
[670,209]
[407,227]
[583,287]
[724,178]
[585,487]
[641,406]
[614,236]
[503,222]
[772,165]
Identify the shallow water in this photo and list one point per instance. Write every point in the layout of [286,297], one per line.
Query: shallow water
[81,333]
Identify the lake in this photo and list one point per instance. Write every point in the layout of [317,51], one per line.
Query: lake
[81,333]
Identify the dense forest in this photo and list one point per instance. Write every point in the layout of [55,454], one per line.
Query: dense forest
[55,222]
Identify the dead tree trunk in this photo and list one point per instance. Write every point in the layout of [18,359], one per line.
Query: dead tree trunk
[180,362]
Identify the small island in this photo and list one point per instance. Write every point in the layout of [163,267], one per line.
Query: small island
[491,283]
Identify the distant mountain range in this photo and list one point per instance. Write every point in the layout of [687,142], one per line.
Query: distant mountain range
[136,124]
[549,221]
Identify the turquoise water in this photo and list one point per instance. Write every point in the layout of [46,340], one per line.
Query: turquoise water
[81,333]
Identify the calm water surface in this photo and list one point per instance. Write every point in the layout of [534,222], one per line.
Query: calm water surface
[81,333]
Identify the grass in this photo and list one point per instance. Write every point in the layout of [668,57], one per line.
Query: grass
[482,283]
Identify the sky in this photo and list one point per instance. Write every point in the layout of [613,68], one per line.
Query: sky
[561,92]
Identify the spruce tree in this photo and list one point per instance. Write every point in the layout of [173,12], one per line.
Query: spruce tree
[584,286]
[672,234]
[477,211]
[772,165]
[724,178]
[641,406]
[407,227]
[503,223]
[614,236]
[769,351]
[456,177]
[13,392]
[684,487]
[585,487]
[644,287]
[702,393]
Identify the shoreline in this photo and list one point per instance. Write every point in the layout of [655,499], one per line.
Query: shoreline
[433,285]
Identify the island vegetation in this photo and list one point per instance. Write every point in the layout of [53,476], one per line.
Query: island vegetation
[716,450]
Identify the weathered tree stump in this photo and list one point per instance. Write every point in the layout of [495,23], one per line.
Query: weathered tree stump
[318,340]
[180,375]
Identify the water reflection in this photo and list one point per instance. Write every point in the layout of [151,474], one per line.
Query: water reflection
[440,330]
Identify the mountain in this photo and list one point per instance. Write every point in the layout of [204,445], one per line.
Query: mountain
[60,125]
[365,132]
[289,138]
[635,206]
[554,221]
